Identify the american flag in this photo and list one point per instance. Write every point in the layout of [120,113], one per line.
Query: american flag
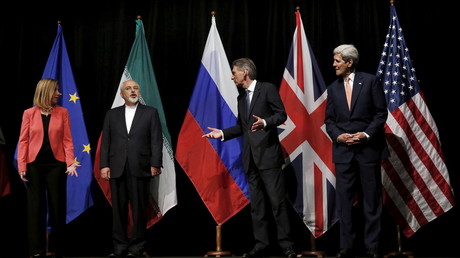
[416,185]
[307,147]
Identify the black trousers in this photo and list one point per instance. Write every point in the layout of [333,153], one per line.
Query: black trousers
[46,195]
[263,184]
[350,177]
[129,196]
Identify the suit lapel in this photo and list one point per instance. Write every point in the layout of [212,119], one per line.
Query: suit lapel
[137,116]
[255,97]
[357,86]
[122,115]
[342,92]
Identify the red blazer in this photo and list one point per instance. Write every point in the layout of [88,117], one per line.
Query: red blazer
[31,136]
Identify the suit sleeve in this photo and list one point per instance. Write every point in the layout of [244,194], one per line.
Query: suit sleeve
[279,115]
[156,140]
[381,111]
[330,119]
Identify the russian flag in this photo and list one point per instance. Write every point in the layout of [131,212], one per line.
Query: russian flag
[214,167]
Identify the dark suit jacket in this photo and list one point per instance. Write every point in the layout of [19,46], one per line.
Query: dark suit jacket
[31,136]
[368,114]
[141,148]
[264,145]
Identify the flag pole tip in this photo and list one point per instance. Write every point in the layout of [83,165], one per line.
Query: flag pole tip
[213,13]
[297,8]
[139,17]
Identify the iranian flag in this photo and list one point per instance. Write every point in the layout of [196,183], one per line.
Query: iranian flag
[163,187]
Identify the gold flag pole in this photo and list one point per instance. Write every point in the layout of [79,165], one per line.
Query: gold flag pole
[218,252]
[313,251]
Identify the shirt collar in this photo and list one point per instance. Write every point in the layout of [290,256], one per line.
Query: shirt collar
[131,107]
[252,86]
[352,77]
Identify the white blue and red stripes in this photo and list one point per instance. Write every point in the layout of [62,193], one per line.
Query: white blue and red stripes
[214,167]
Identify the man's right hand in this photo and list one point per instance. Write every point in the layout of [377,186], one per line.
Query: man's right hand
[214,134]
[105,173]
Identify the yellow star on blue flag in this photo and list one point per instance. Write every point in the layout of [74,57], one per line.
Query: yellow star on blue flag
[73,97]
[86,148]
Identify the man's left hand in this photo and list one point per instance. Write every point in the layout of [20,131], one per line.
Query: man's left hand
[258,124]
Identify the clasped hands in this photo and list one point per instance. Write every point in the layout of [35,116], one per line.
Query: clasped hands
[351,139]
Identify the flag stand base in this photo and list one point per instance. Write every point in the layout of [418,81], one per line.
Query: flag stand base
[218,252]
[399,253]
[313,252]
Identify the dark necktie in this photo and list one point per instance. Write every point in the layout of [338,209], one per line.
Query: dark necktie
[248,101]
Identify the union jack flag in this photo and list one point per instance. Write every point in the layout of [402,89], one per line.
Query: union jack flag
[416,185]
[306,145]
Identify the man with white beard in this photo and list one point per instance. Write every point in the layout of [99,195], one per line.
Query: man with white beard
[131,154]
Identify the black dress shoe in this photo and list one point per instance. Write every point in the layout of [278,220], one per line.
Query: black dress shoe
[345,253]
[134,255]
[373,253]
[114,255]
[289,252]
[255,252]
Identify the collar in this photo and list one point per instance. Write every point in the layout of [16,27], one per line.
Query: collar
[351,76]
[132,107]
[252,86]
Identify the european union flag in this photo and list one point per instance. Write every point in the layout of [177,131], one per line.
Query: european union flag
[78,188]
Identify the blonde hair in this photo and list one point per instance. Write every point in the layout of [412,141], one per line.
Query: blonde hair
[44,93]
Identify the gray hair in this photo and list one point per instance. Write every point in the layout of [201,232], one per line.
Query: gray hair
[246,64]
[348,51]
[122,85]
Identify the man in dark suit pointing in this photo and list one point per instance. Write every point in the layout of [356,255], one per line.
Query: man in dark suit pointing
[260,111]
[131,154]
[356,113]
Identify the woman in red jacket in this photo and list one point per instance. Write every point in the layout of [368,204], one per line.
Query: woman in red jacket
[45,157]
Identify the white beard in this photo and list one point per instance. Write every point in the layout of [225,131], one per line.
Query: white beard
[133,100]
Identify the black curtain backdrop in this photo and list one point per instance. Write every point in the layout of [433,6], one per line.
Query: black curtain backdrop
[99,36]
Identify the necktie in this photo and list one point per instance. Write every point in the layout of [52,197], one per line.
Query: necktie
[248,101]
[348,91]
